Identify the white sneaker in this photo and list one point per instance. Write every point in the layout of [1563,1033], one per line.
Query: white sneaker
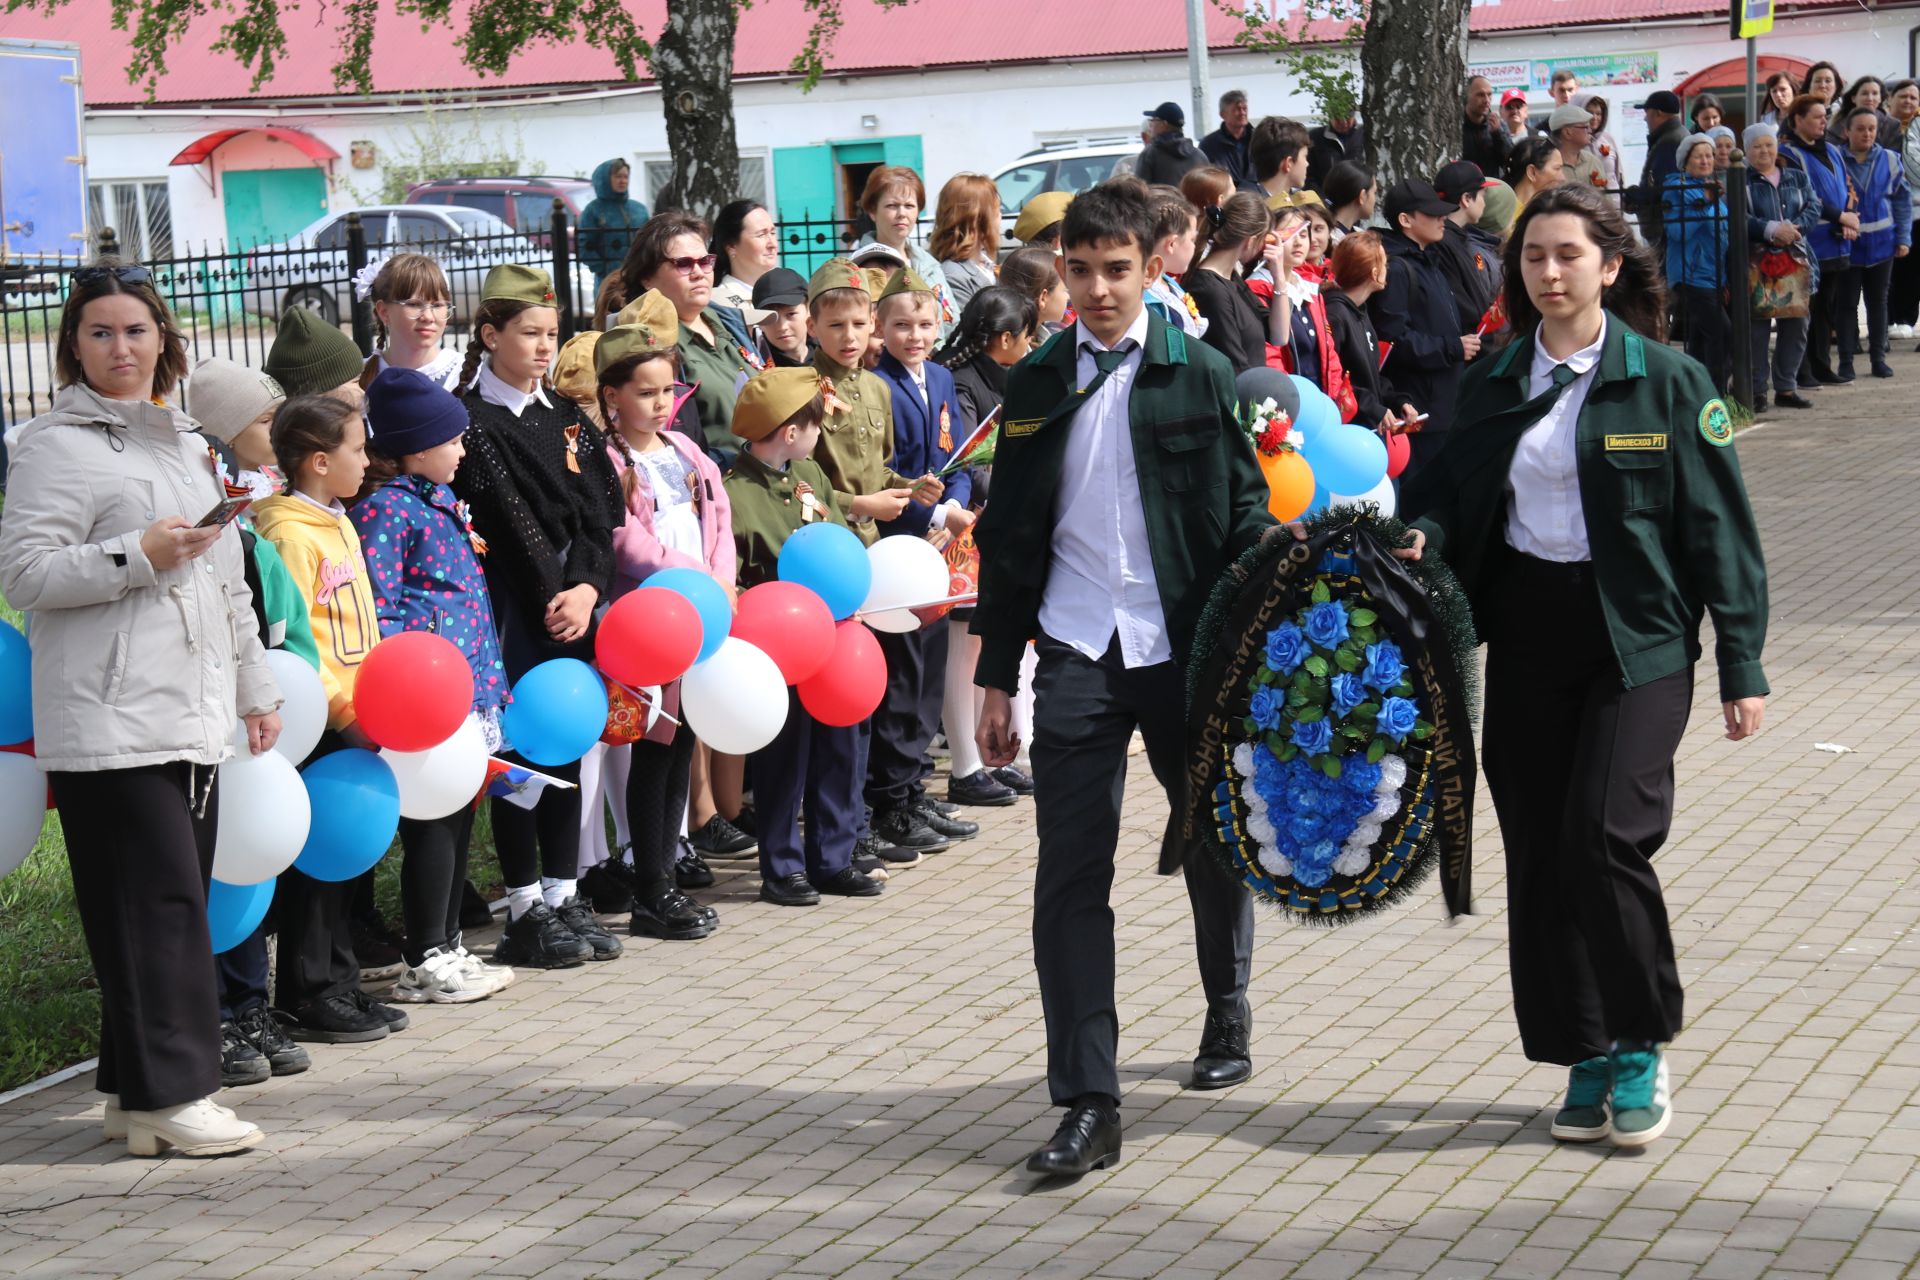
[113,1121]
[499,975]
[440,978]
[1900,331]
[200,1128]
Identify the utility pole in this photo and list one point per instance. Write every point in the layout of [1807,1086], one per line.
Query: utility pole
[1199,120]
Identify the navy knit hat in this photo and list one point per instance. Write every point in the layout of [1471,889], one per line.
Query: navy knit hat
[408,412]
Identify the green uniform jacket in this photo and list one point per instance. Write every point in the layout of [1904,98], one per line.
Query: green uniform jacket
[856,442]
[1667,515]
[766,511]
[717,367]
[1205,498]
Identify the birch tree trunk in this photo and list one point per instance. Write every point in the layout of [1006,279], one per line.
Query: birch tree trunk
[693,60]
[1413,65]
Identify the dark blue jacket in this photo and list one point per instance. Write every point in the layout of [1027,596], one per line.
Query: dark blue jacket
[916,436]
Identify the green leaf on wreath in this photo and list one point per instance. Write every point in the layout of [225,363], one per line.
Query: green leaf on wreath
[1346,661]
[1353,732]
[1365,711]
[1377,751]
[1307,715]
[1422,730]
[1364,635]
[1275,742]
[1287,751]
[1317,666]
[1329,766]
[1404,689]
[1363,617]
[1320,592]
[1296,698]
[1302,681]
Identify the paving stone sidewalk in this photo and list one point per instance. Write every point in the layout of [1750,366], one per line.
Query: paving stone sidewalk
[851,1090]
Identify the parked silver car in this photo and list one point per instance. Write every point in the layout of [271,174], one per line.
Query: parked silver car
[310,269]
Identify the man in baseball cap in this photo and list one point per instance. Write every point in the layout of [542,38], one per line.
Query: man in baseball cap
[1513,112]
[1665,130]
[1467,256]
[1169,153]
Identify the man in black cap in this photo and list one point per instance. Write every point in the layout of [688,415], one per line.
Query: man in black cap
[1169,153]
[1417,314]
[1665,130]
[1470,264]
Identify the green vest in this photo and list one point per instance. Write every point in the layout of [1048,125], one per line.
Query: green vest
[1668,523]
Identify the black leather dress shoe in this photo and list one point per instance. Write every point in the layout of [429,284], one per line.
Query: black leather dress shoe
[1789,400]
[849,883]
[944,825]
[789,891]
[1225,1057]
[1087,1139]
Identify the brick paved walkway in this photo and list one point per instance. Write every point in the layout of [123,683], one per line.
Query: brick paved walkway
[851,1090]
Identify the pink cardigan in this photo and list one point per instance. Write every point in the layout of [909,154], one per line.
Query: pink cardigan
[638,554]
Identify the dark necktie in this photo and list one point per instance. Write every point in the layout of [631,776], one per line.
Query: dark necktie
[1562,375]
[1105,362]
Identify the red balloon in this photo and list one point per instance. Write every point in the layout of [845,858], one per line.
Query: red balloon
[651,635]
[1399,453]
[413,691]
[790,623]
[847,689]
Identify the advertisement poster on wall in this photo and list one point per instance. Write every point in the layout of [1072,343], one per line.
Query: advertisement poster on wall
[1595,70]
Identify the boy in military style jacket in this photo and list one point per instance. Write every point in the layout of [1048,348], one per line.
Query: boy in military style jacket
[1123,487]
[776,490]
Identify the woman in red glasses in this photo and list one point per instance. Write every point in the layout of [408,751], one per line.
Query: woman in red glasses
[670,254]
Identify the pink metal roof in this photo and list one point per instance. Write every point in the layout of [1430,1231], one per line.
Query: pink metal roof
[926,33]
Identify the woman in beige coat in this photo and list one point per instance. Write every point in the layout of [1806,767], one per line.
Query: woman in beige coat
[144,649]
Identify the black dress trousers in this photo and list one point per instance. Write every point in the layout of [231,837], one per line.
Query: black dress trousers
[1581,771]
[907,717]
[1085,713]
[315,958]
[141,858]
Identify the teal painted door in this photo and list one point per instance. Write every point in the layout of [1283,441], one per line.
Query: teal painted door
[803,199]
[265,206]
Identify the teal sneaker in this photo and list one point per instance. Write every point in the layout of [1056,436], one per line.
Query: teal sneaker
[1585,1116]
[1641,1101]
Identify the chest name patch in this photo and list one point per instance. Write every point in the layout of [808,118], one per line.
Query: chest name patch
[1023,427]
[1636,442]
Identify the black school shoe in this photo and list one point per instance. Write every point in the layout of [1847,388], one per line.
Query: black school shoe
[690,870]
[335,1019]
[575,915]
[240,1063]
[1788,400]
[890,856]
[396,1019]
[789,891]
[849,883]
[981,790]
[1015,777]
[718,838]
[1881,369]
[671,916]
[538,940]
[609,886]
[264,1031]
[377,950]
[945,825]
[908,829]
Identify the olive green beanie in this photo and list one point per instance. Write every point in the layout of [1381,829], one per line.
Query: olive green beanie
[310,356]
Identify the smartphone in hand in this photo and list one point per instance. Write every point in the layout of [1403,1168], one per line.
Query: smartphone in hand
[224,513]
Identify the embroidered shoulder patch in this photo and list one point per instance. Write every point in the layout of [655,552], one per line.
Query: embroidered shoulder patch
[1715,424]
[1023,427]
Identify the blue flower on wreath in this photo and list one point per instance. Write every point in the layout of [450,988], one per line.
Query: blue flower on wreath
[1359,776]
[1348,693]
[1327,624]
[1384,668]
[1265,707]
[1286,648]
[1315,862]
[1313,737]
[1397,718]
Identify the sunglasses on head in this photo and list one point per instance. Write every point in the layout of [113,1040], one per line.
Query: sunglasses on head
[125,275]
[686,266]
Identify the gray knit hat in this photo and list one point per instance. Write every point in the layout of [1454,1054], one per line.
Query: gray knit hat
[225,398]
[310,356]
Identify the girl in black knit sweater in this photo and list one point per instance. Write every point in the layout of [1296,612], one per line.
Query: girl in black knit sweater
[544,498]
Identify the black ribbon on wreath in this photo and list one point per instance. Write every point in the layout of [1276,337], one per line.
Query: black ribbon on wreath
[1247,780]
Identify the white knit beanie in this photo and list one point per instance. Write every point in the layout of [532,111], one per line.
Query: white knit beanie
[225,397]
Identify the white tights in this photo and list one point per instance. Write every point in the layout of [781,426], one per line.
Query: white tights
[960,711]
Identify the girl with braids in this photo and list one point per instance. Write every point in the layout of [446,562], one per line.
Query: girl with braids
[1589,500]
[412,304]
[545,501]
[1231,238]
[1035,271]
[997,329]
[676,515]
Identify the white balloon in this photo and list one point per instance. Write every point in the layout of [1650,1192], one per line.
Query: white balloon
[438,781]
[735,701]
[906,571]
[23,808]
[264,818]
[1381,496]
[303,716]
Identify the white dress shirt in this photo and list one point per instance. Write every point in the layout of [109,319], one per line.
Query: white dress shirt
[1100,580]
[512,399]
[1545,519]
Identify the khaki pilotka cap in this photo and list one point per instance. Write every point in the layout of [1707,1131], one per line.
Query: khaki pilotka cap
[516,283]
[836,273]
[771,397]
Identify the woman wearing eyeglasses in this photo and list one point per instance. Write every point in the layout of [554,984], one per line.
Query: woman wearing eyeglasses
[670,254]
[144,650]
[412,305]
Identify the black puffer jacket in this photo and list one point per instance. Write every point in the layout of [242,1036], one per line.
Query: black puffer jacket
[1417,314]
[1167,159]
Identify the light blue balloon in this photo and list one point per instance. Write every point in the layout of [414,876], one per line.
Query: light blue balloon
[1317,409]
[829,561]
[709,600]
[234,911]
[16,687]
[1321,497]
[356,811]
[1346,458]
[559,710]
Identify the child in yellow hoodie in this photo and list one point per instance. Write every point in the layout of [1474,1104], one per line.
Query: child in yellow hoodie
[320,443]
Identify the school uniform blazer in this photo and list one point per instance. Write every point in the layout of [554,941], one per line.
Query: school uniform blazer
[1200,483]
[1667,517]
[916,437]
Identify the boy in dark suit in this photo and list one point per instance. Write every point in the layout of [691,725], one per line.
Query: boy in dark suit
[926,426]
[1122,488]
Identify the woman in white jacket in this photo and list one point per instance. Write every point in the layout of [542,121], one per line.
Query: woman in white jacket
[144,648]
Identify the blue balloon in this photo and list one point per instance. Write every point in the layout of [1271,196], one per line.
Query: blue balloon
[1346,458]
[16,687]
[1321,497]
[709,600]
[1317,410]
[356,811]
[829,561]
[234,911]
[559,710]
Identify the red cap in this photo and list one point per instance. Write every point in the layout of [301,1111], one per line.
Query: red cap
[1513,95]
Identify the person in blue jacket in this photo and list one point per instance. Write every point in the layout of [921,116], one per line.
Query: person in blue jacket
[1803,142]
[1693,209]
[927,425]
[1879,183]
[608,223]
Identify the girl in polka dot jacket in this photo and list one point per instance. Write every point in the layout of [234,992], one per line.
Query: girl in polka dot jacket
[421,556]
